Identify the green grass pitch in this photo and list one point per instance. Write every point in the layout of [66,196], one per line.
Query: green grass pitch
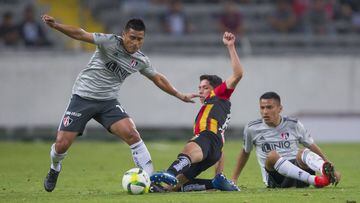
[92,172]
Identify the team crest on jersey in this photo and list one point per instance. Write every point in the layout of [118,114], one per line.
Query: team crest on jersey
[133,63]
[285,136]
[67,121]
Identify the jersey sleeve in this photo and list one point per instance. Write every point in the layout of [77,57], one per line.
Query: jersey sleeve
[304,135]
[101,38]
[148,70]
[223,92]
[248,145]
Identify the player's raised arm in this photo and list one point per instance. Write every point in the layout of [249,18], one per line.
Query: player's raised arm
[229,42]
[162,82]
[69,30]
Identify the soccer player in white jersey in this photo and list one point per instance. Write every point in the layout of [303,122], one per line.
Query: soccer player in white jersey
[276,139]
[95,92]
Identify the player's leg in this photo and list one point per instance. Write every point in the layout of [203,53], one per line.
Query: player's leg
[126,130]
[192,153]
[115,119]
[77,114]
[211,145]
[287,169]
[308,159]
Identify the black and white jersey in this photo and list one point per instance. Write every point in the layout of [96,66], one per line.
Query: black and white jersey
[284,138]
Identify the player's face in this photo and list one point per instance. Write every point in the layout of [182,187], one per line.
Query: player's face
[204,90]
[133,40]
[270,110]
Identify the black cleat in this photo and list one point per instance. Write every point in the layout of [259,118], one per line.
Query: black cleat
[50,180]
[329,171]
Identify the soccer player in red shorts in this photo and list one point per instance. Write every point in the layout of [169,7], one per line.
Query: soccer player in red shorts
[205,148]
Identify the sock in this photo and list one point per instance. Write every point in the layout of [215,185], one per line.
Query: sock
[312,160]
[197,185]
[286,168]
[56,159]
[181,164]
[141,157]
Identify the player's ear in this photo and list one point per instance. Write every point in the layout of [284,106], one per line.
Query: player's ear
[280,108]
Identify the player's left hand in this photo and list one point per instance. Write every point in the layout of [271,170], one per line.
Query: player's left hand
[338,177]
[188,97]
[228,38]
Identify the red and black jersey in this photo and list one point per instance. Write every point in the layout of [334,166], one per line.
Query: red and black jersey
[214,115]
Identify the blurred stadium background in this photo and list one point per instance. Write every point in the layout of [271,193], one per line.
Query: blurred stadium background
[306,50]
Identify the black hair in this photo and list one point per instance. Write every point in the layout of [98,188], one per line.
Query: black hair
[135,24]
[214,80]
[271,95]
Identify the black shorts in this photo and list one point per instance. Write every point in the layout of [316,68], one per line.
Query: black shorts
[80,111]
[276,180]
[211,146]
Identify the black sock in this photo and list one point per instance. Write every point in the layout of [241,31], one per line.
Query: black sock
[197,185]
[181,164]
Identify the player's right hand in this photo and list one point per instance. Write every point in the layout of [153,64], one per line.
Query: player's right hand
[188,97]
[49,20]
[228,38]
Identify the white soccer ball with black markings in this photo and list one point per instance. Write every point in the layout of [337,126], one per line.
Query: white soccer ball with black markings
[136,181]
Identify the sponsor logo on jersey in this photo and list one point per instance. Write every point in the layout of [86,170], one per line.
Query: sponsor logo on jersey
[285,136]
[133,63]
[67,121]
[267,147]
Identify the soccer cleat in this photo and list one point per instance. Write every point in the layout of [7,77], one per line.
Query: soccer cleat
[220,182]
[163,177]
[321,181]
[329,171]
[50,180]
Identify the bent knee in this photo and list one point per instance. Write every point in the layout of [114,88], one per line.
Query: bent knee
[271,159]
[131,136]
[64,140]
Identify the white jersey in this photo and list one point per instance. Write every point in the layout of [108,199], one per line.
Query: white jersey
[284,138]
[108,68]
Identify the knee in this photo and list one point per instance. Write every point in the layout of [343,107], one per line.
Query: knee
[271,159]
[62,144]
[299,158]
[131,136]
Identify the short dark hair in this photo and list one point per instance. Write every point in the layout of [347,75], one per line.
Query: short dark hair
[214,80]
[135,24]
[271,95]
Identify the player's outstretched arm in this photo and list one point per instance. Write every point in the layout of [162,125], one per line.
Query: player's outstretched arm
[229,42]
[240,164]
[162,82]
[69,30]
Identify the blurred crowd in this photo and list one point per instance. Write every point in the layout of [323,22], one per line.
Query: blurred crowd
[28,31]
[315,17]
[318,17]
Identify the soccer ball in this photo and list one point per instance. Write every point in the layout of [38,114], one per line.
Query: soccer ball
[136,181]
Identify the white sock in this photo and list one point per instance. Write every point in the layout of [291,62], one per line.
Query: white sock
[312,160]
[286,168]
[141,157]
[56,159]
